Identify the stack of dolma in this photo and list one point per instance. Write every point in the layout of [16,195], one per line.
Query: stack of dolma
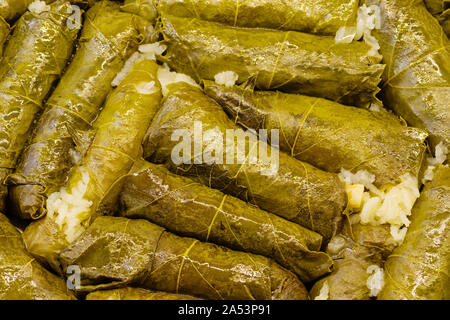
[108,38]
[116,161]
[34,59]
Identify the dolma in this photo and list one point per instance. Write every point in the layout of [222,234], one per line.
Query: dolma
[108,38]
[326,134]
[116,252]
[355,250]
[35,57]
[417,76]
[130,293]
[290,61]
[188,208]
[119,131]
[21,276]
[282,185]
[311,16]
[419,268]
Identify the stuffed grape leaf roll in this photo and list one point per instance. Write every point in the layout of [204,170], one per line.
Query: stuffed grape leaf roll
[326,134]
[21,276]
[419,268]
[311,16]
[35,57]
[119,131]
[191,209]
[108,38]
[277,183]
[417,76]
[115,252]
[289,61]
[129,293]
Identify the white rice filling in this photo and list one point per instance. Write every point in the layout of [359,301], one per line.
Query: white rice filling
[75,156]
[440,157]
[324,292]
[68,209]
[392,205]
[146,52]
[375,282]
[38,7]
[226,78]
[369,18]
[146,87]
[167,77]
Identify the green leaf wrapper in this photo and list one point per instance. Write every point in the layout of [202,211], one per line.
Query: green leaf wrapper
[290,61]
[108,38]
[419,268]
[115,252]
[34,58]
[190,209]
[311,16]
